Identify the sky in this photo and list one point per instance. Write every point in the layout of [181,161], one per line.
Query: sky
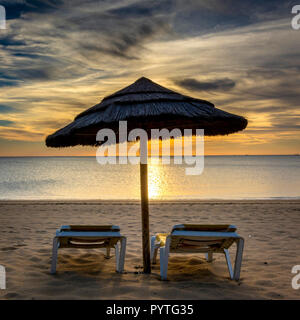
[58,58]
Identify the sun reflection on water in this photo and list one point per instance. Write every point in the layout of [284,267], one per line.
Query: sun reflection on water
[155,181]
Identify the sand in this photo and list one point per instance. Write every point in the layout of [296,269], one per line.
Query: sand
[272,247]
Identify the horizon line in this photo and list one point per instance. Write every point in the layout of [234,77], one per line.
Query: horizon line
[209,155]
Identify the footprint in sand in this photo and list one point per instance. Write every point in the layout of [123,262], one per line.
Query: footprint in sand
[8,248]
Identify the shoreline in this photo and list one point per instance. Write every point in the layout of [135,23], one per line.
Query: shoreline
[151,201]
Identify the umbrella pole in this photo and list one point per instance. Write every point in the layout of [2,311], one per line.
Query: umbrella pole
[145,207]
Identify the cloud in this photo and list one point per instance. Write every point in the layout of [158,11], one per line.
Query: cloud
[214,85]
[15,8]
[61,57]
[49,124]
[20,135]
[267,109]
[6,123]
[74,41]
[9,40]
[6,109]
[286,122]
[143,9]
[48,39]
[199,17]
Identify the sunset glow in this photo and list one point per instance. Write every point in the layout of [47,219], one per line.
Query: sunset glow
[53,67]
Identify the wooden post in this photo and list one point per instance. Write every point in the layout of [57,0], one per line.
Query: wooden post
[145,205]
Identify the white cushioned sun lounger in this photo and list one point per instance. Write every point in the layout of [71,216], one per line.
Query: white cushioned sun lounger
[194,238]
[105,236]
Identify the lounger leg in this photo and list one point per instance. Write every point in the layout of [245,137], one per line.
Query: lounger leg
[238,259]
[107,253]
[164,260]
[117,248]
[209,256]
[162,263]
[122,255]
[227,256]
[154,250]
[54,255]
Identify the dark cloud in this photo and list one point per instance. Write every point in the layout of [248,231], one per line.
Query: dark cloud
[28,68]
[95,34]
[16,77]
[26,55]
[144,9]
[9,40]
[124,42]
[106,30]
[15,8]
[6,123]
[215,85]
[8,83]
[6,109]
[201,17]
[33,74]
[121,36]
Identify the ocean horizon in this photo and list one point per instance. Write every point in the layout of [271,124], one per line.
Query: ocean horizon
[236,177]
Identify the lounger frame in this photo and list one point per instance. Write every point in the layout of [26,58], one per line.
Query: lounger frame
[227,238]
[65,238]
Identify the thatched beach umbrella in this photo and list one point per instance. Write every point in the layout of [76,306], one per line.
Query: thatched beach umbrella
[146,105]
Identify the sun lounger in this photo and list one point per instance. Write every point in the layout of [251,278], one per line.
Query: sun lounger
[189,238]
[90,237]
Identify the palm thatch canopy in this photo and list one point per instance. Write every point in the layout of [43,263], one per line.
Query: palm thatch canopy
[146,105]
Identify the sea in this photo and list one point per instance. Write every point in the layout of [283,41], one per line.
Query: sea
[83,178]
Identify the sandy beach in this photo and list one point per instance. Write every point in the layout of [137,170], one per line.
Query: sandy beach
[272,240]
